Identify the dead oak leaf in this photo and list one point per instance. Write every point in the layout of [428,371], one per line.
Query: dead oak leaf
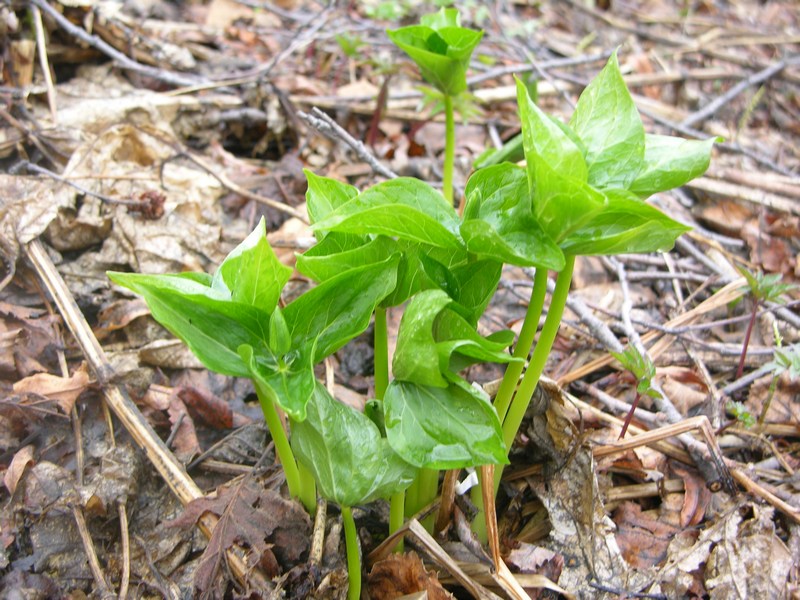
[276,529]
[63,390]
[403,574]
[642,539]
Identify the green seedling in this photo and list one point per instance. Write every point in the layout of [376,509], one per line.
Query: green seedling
[643,370]
[740,413]
[402,242]
[786,360]
[763,288]
[442,50]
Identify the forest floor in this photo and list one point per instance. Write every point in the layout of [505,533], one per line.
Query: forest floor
[165,130]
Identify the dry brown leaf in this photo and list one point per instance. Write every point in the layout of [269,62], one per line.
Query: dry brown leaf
[16,469]
[208,407]
[403,574]
[64,390]
[276,529]
[642,539]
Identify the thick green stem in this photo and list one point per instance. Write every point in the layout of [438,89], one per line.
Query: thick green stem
[428,489]
[449,149]
[282,447]
[397,507]
[353,554]
[524,344]
[522,399]
[308,489]
[381,348]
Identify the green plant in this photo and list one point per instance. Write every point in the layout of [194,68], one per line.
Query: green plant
[643,370]
[442,50]
[786,360]
[763,288]
[402,242]
[740,413]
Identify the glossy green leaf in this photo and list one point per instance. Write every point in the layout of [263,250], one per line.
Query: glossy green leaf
[608,123]
[406,208]
[498,222]
[477,282]
[442,428]
[459,345]
[416,357]
[545,140]
[340,308]
[562,205]
[344,450]
[280,340]
[290,375]
[321,267]
[669,162]
[251,273]
[626,225]
[431,334]
[325,195]
[211,325]
[440,48]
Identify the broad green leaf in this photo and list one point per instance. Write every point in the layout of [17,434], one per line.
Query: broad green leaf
[563,205]
[321,267]
[442,428]
[252,273]
[407,208]
[440,48]
[545,140]
[498,222]
[325,195]
[339,309]
[626,225]
[289,376]
[608,123]
[477,282]
[416,357]
[433,342]
[211,325]
[669,162]
[459,345]
[344,450]
[280,340]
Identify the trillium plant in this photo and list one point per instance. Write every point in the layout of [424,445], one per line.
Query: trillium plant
[401,243]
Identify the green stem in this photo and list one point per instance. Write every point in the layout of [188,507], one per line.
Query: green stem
[412,496]
[428,488]
[308,489]
[479,522]
[381,348]
[282,447]
[522,399]
[397,507]
[353,554]
[524,344]
[449,149]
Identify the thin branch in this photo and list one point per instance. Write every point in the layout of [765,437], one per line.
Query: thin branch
[331,129]
[755,79]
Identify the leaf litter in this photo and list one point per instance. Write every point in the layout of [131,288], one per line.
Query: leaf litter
[124,136]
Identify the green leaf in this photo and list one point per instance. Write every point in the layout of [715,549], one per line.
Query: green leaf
[442,428]
[546,140]
[407,208]
[211,325]
[608,123]
[563,205]
[626,225]
[670,162]
[440,48]
[498,222]
[432,339]
[344,450]
[476,283]
[325,195]
[251,273]
[280,340]
[416,357]
[321,267]
[337,310]
[289,376]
